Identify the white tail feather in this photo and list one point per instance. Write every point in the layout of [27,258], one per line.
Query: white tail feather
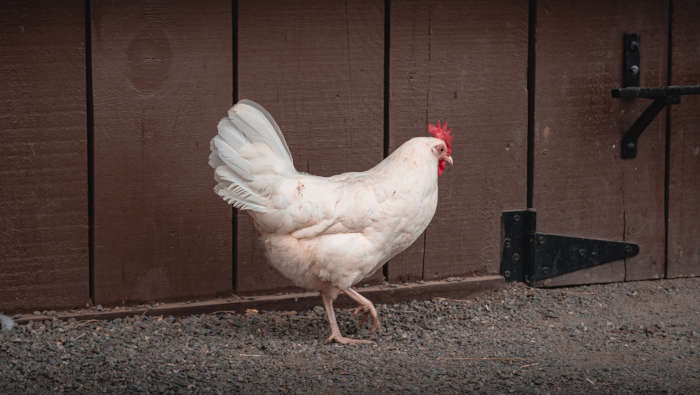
[249,144]
[257,117]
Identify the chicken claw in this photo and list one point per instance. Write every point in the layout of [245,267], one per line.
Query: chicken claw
[346,340]
[336,336]
[365,308]
[362,312]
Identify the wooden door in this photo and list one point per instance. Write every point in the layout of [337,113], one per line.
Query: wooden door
[163,77]
[317,66]
[464,62]
[581,185]
[43,156]
[684,176]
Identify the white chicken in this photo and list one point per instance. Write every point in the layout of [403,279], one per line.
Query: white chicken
[327,233]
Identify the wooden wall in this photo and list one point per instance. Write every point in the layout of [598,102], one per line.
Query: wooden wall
[684,188]
[43,156]
[317,66]
[105,191]
[161,80]
[581,185]
[464,62]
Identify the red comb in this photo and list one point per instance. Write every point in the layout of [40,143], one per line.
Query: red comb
[442,133]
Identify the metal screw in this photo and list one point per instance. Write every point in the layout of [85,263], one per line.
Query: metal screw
[516,217]
[516,257]
[630,145]
[634,69]
[582,251]
[634,45]
[506,274]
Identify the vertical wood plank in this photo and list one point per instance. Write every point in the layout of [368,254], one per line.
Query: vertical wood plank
[318,68]
[581,185]
[684,188]
[43,166]
[162,80]
[465,62]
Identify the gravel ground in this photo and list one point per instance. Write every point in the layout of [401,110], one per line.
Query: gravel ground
[640,337]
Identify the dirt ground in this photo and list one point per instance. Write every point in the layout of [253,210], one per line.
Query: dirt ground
[639,337]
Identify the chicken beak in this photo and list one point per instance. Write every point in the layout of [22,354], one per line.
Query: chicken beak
[448,158]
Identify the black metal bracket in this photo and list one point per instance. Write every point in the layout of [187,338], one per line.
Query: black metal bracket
[630,60]
[662,96]
[534,257]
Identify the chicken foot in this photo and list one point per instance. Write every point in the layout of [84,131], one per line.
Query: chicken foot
[335,331]
[365,308]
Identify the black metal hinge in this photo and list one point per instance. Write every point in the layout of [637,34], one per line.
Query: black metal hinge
[662,96]
[534,257]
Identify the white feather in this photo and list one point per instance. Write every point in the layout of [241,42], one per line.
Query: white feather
[323,233]
[246,150]
[232,158]
[6,322]
[261,122]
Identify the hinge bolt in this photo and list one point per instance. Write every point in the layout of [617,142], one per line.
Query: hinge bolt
[506,242]
[516,257]
[634,69]
[516,217]
[506,274]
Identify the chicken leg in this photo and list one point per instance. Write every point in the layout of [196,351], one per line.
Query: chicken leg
[335,331]
[366,307]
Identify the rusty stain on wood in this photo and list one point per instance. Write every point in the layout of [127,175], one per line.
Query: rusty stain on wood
[43,162]
[162,79]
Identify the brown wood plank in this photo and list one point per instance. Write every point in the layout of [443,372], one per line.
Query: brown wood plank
[581,185]
[684,188]
[464,62]
[318,68]
[43,166]
[162,79]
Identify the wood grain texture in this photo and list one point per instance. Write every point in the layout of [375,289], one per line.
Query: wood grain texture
[464,62]
[162,80]
[43,162]
[684,188]
[581,185]
[318,68]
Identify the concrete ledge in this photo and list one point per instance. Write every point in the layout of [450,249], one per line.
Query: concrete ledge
[378,294]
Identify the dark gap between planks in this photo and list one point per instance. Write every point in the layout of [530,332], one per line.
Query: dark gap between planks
[234,99]
[531,35]
[387,93]
[667,158]
[90,139]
